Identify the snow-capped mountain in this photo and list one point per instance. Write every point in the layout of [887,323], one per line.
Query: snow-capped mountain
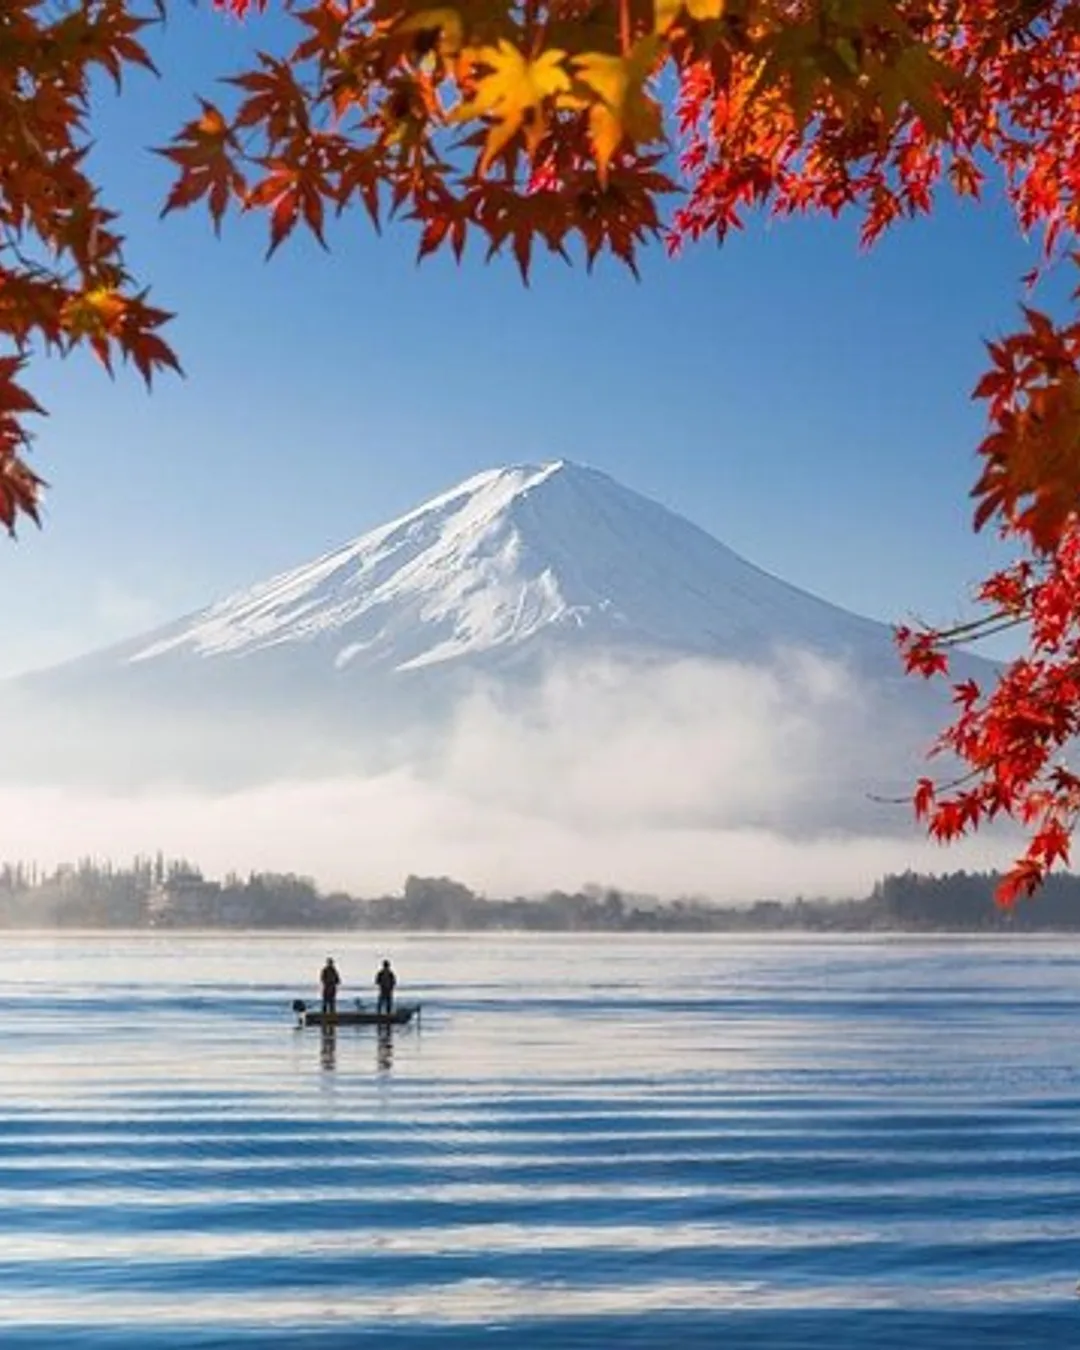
[507,560]
[367,652]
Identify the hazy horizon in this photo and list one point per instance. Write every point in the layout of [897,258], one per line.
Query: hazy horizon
[723,779]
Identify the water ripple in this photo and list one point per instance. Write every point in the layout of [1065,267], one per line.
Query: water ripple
[813,1144]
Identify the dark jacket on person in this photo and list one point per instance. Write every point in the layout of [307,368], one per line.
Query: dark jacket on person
[385,979]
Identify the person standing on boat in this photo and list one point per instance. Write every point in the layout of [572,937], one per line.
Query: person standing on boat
[386,980]
[330,981]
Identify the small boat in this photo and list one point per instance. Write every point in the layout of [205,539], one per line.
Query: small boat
[354,1017]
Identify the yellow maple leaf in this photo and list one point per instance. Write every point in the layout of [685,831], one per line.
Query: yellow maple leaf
[619,106]
[92,312]
[512,94]
[445,22]
[667,11]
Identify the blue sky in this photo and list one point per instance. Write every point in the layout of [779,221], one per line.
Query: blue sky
[806,403]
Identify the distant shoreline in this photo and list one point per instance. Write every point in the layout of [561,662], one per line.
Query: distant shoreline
[780,936]
[156,895]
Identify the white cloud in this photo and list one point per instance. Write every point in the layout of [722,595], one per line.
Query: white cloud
[700,741]
[367,834]
[701,777]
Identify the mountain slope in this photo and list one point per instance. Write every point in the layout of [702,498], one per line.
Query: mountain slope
[507,559]
[363,659]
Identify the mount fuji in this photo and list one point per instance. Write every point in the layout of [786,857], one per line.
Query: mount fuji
[362,658]
[508,561]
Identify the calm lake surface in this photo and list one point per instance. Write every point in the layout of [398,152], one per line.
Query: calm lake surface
[612,1143]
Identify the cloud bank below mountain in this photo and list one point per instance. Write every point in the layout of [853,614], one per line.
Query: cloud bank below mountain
[728,779]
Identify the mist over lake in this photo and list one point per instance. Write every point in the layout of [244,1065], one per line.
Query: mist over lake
[589,1142]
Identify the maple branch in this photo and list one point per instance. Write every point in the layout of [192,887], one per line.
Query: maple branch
[13,242]
[950,785]
[978,629]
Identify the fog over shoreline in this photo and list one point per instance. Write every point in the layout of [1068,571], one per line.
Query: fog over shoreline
[730,780]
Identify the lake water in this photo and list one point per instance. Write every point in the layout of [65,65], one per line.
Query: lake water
[615,1143]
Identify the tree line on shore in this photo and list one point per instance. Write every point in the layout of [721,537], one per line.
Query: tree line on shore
[159,893]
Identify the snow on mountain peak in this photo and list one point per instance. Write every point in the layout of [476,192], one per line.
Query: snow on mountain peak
[504,556]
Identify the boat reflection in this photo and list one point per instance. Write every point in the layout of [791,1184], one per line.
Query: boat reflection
[384,1052]
[384,1048]
[328,1048]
